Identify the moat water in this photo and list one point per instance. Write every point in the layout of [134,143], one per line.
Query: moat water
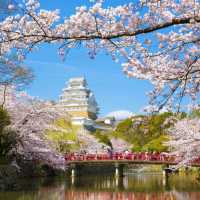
[130,187]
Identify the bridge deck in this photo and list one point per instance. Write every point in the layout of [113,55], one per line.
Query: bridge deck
[87,162]
[125,159]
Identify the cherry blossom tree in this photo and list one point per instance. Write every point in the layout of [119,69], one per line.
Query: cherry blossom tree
[30,118]
[185,140]
[88,143]
[153,39]
[120,145]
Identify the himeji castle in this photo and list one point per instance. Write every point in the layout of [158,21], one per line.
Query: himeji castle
[78,100]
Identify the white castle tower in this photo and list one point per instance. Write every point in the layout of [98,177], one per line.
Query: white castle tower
[78,100]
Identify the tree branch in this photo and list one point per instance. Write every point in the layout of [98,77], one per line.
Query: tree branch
[97,35]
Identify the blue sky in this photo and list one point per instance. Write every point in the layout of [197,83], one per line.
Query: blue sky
[113,90]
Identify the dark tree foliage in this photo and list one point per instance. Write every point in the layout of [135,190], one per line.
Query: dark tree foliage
[7,136]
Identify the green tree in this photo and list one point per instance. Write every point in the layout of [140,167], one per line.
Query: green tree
[4,119]
[156,144]
[145,133]
[8,137]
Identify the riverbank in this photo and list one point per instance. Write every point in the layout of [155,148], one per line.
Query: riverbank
[12,174]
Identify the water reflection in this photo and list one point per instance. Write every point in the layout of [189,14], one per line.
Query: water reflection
[131,187]
[131,196]
[136,183]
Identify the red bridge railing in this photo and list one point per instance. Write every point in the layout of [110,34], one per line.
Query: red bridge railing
[162,157]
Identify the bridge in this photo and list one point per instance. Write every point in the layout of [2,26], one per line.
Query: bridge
[120,160]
